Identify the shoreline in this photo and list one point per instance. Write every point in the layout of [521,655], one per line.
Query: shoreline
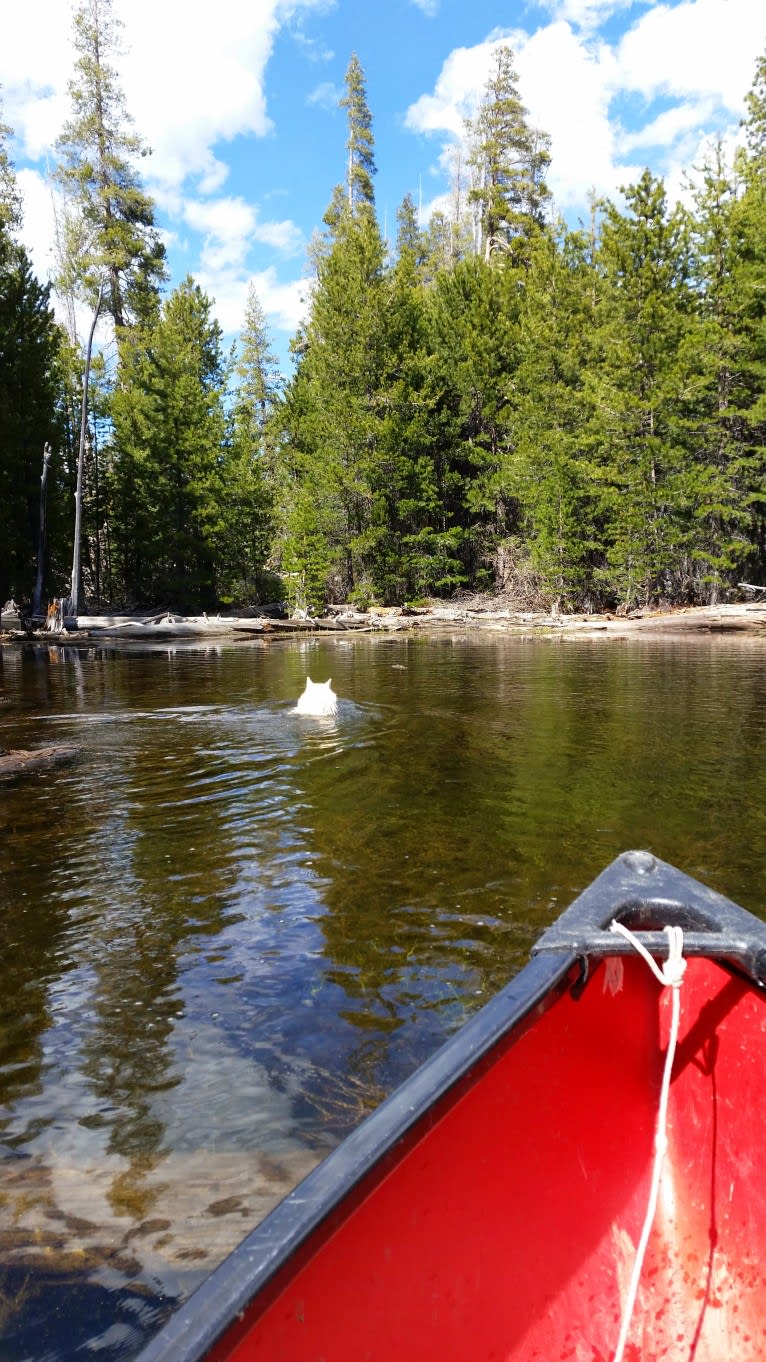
[476,613]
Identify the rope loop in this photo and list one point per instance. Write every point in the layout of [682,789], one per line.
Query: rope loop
[672,970]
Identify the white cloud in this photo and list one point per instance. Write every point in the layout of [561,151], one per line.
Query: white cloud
[284,236]
[35,105]
[585,14]
[456,94]
[188,90]
[39,231]
[698,55]
[325,96]
[428,7]
[283,303]
[188,84]
[667,128]
[700,48]
[190,87]
[313,49]
[230,226]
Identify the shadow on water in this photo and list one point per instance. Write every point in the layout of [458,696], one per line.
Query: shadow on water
[228,929]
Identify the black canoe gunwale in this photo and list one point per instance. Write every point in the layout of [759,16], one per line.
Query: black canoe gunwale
[638,890]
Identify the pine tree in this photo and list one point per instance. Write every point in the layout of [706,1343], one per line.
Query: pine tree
[171,458]
[360,144]
[409,549]
[409,237]
[548,465]
[29,415]
[755,119]
[718,473]
[10,199]
[509,160]
[749,225]
[111,254]
[109,230]
[473,316]
[330,418]
[30,388]
[251,486]
[636,385]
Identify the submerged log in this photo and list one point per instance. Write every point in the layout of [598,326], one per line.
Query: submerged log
[21,762]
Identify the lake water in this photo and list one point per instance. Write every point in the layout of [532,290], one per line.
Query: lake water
[228,930]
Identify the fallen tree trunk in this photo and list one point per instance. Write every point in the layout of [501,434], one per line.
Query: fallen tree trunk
[22,762]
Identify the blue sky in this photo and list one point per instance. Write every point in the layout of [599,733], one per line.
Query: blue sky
[239,104]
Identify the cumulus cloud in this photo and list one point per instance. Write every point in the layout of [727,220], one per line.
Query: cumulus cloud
[39,220]
[284,303]
[668,128]
[457,91]
[698,48]
[230,226]
[697,57]
[188,86]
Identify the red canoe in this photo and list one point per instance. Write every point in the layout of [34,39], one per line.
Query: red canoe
[512,1201]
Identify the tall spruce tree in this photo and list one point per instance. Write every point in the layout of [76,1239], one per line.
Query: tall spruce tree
[360,143]
[111,254]
[509,159]
[30,418]
[638,421]
[548,465]
[411,547]
[330,415]
[719,472]
[473,315]
[110,229]
[171,458]
[749,224]
[251,488]
[10,199]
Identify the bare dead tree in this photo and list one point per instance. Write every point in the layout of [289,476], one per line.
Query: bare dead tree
[41,541]
[74,596]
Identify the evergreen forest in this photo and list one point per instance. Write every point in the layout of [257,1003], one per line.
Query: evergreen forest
[494,401]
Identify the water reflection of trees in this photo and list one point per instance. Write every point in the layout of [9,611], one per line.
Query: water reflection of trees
[172,895]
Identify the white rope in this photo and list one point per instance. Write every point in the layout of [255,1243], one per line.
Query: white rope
[670,974]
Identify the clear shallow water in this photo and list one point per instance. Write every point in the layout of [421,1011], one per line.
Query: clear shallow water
[227,930]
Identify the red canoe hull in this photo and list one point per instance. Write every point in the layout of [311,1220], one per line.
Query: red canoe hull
[503,1223]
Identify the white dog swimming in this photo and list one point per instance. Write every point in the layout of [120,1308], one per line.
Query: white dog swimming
[318,698]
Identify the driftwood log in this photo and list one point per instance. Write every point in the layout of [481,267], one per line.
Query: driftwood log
[488,613]
[21,762]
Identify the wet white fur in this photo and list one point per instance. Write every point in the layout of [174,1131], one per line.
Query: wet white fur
[317,698]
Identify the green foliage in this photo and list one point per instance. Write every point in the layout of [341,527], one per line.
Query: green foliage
[30,349]
[548,466]
[306,557]
[251,474]
[171,459]
[636,385]
[329,419]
